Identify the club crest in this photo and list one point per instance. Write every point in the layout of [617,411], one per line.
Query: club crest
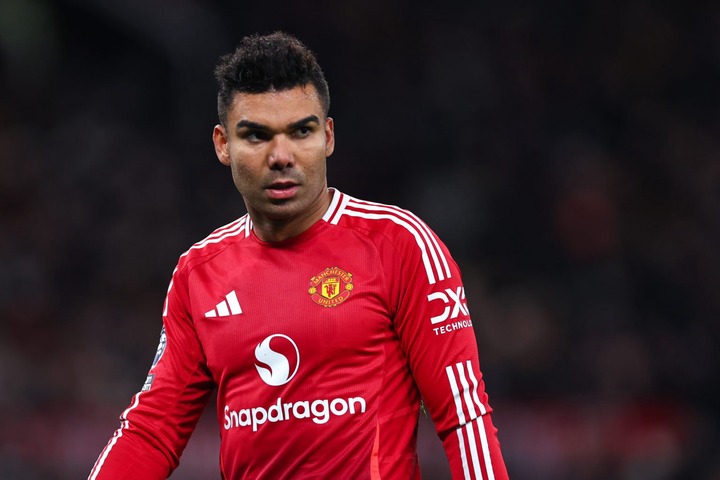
[331,287]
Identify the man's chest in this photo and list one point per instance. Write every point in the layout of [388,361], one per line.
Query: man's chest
[320,313]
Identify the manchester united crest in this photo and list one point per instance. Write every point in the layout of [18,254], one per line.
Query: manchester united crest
[331,287]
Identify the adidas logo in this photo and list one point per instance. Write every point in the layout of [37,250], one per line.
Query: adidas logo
[227,307]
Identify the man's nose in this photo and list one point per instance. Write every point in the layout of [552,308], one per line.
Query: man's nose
[281,154]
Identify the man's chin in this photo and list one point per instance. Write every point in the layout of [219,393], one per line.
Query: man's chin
[282,210]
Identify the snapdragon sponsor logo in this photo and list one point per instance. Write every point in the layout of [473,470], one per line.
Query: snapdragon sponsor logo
[319,411]
[277,362]
[278,359]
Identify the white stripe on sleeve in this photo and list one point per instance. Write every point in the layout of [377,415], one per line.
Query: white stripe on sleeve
[469,401]
[124,424]
[461,418]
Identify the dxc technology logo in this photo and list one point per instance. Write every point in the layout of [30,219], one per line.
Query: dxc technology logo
[278,359]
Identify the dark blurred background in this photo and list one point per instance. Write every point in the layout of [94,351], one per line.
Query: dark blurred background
[567,152]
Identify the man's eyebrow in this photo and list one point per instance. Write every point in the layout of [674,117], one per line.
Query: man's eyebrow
[304,121]
[259,126]
[251,125]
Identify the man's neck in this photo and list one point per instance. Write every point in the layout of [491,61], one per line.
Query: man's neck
[269,230]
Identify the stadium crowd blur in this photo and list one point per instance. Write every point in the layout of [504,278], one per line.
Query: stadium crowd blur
[567,152]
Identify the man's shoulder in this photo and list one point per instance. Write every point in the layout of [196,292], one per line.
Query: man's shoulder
[410,236]
[216,242]
[389,220]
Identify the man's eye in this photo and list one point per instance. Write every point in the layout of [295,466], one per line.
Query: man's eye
[303,132]
[255,136]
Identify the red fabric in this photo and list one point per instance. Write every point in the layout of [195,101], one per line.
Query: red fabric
[321,348]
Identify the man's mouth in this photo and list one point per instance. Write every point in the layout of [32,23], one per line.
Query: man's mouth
[281,190]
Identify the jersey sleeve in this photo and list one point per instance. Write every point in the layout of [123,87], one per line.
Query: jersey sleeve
[435,330]
[157,424]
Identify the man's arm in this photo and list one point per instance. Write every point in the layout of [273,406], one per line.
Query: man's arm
[157,424]
[436,332]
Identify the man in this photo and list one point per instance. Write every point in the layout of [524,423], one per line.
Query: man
[321,319]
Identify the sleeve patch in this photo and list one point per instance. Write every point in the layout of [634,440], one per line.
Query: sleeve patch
[148,382]
[160,348]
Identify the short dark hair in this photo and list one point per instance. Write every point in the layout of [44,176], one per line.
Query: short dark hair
[262,63]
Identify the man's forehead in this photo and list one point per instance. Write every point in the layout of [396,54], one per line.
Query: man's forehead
[276,106]
[299,93]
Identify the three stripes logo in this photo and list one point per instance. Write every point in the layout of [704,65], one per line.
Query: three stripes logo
[228,306]
[471,435]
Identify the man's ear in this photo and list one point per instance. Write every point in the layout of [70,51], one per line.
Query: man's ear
[221,144]
[329,136]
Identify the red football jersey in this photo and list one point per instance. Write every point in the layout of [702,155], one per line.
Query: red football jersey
[321,348]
